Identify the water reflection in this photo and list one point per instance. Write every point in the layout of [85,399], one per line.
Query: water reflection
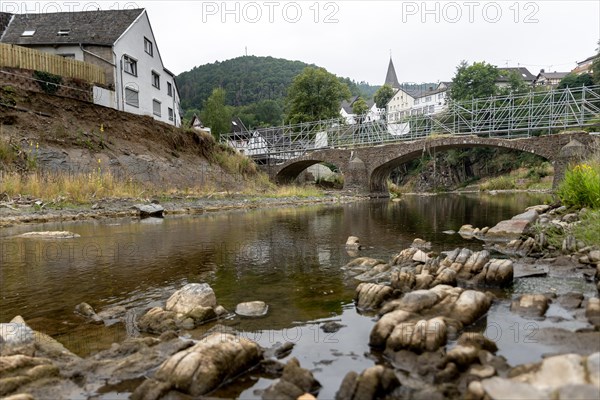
[289,257]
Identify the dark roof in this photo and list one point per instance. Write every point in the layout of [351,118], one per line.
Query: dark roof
[391,78]
[590,58]
[522,71]
[552,75]
[86,27]
[347,105]
[4,20]
[430,93]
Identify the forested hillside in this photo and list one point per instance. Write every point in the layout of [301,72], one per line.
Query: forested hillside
[255,86]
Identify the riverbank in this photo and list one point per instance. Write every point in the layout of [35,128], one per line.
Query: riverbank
[33,211]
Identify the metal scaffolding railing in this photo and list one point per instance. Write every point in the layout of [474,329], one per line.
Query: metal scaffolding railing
[510,116]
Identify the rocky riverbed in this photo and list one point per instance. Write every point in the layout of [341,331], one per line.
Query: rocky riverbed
[432,337]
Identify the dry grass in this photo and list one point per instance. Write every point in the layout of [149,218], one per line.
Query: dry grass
[74,188]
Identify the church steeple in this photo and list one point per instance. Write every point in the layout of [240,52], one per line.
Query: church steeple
[391,78]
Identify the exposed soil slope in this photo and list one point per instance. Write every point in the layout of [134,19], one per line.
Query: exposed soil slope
[55,134]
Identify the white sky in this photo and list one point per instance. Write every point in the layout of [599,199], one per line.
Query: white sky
[353,38]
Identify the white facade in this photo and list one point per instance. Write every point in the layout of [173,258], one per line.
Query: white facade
[399,105]
[139,70]
[404,104]
[430,102]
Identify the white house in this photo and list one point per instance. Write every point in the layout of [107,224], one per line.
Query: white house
[373,113]
[585,66]
[400,105]
[431,101]
[119,41]
[549,79]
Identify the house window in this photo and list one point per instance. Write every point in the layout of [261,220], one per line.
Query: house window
[132,97]
[428,98]
[155,80]
[156,107]
[67,55]
[148,48]
[28,33]
[130,65]
[63,32]
[440,95]
[169,89]
[170,114]
[416,101]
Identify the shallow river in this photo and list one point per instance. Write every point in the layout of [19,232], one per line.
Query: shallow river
[289,258]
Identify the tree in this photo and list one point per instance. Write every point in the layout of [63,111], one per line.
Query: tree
[516,83]
[360,107]
[574,81]
[477,80]
[596,66]
[383,95]
[315,94]
[215,114]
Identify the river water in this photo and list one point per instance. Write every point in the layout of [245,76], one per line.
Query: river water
[291,258]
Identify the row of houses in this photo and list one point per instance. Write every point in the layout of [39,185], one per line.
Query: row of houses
[120,42]
[410,100]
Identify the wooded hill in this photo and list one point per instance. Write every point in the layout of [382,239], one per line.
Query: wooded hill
[255,86]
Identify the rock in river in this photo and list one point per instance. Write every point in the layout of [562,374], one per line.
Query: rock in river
[202,367]
[252,309]
[512,228]
[150,210]
[191,296]
[50,235]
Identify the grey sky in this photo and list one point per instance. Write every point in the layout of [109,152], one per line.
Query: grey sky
[427,39]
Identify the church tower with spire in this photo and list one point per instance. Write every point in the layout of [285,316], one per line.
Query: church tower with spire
[391,78]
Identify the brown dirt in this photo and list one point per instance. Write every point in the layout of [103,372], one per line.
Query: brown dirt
[67,135]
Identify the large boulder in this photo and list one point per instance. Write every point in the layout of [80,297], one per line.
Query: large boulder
[420,320]
[370,296]
[294,383]
[592,311]
[567,376]
[191,296]
[252,309]
[496,272]
[512,228]
[373,383]
[150,210]
[530,305]
[203,367]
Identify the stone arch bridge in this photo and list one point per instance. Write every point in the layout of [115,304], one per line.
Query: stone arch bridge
[366,169]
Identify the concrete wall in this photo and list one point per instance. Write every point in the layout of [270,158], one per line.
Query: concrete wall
[102,56]
[105,97]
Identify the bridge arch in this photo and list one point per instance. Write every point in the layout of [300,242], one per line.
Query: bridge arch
[379,173]
[293,170]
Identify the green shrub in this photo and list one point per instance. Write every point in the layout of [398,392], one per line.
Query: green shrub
[581,185]
[47,81]
[499,183]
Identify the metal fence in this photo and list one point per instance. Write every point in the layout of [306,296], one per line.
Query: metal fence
[22,57]
[510,116]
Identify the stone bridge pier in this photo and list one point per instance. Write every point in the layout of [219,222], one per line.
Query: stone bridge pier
[367,169]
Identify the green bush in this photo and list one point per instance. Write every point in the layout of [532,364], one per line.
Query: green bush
[581,185]
[499,183]
[47,81]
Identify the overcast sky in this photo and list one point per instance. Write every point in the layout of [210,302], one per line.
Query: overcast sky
[427,39]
